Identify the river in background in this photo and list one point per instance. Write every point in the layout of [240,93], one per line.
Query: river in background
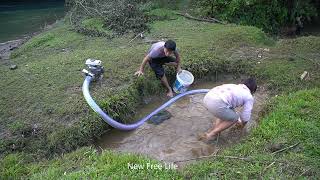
[19,18]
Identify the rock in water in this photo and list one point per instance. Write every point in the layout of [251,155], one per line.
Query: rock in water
[13,67]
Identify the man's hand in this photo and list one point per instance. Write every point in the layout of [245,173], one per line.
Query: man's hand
[179,69]
[144,62]
[138,73]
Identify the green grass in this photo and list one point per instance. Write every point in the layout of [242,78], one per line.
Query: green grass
[95,26]
[43,112]
[47,83]
[161,14]
[283,75]
[293,118]
[45,91]
[87,163]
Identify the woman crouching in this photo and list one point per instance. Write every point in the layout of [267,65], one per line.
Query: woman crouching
[222,100]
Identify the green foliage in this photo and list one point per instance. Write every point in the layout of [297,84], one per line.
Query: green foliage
[123,105]
[120,17]
[93,23]
[13,166]
[268,15]
[167,4]
[160,14]
[120,106]
[95,27]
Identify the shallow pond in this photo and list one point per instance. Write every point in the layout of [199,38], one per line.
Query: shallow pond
[176,139]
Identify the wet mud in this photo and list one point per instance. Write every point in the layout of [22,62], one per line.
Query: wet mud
[176,139]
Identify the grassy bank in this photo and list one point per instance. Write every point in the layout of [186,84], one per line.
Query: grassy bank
[43,113]
[293,120]
[42,108]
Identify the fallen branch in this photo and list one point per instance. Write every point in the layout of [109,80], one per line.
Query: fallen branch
[264,169]
[216,20]
[84,7]
[234,157]
[87,7]
[151,41]
[70,18]
[304,172]
[211,20]
[216,145]
[135,37]
[284,149]
[269,166]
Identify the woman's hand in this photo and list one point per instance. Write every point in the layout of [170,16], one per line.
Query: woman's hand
[240,124]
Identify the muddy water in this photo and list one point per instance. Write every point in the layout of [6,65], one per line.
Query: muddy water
[177,138]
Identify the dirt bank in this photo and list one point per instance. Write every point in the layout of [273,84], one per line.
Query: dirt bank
[7,47]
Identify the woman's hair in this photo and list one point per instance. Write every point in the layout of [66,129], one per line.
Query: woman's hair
[251,84]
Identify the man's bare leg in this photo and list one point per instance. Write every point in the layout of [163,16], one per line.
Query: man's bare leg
[166,84]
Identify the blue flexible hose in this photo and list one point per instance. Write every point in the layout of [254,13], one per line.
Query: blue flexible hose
[121,126]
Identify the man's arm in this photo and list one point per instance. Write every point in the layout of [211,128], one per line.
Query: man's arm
[178,61]
[143,64]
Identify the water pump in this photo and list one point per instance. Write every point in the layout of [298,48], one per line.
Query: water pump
[95,69]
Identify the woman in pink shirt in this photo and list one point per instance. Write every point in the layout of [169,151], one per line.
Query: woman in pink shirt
[222,100]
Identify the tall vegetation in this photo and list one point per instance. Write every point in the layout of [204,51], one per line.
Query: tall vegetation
[123,16]
[118,16]
[268,15]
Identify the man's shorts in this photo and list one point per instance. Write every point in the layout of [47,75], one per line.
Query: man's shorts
[157,65]
[219,108]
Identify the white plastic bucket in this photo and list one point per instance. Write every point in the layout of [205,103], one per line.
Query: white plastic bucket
[183,81]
